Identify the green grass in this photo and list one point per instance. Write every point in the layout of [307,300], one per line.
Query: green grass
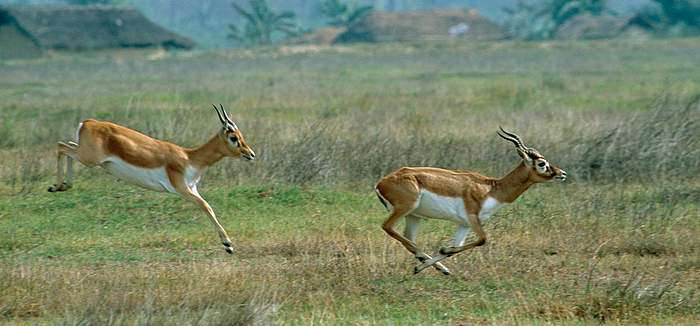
[562,252]
[619,242]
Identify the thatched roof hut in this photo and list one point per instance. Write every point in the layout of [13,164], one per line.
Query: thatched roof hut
[35,28]
[424,25]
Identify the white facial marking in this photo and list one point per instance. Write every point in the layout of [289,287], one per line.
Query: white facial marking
[561,176]
[542,166]
[488,207]
[153,179]
[431,205]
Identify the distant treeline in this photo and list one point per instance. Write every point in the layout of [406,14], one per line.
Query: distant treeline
[208,21]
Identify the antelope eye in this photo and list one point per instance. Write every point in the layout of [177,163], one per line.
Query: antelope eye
[541,164]
[233,138]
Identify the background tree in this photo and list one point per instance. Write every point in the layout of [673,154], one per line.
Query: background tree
[95,2]
[540,20]
[262,23]
[343,14]
[672,17]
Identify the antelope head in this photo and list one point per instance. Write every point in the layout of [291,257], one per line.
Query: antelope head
[232,137]
[540,169]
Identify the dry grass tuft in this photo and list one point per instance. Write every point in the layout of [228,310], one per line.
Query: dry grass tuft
[128,294]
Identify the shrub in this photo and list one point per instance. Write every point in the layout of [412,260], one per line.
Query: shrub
[656,143]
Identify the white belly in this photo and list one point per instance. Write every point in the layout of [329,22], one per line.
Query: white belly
[153,179]
[431,205]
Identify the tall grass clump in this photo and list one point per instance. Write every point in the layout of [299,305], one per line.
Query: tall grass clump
[606,298]
[661,142]
[109,295]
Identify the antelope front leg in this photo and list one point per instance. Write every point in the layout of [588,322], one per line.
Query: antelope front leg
[225,240]
[428,261]
[457,246]
[212,217]
[190,192]
[432,261]
[447,252]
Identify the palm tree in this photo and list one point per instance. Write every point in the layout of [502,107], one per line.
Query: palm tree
[344,15]
[262,23]
[541,19]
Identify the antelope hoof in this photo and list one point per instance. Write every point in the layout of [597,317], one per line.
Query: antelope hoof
[62,187]
[227,246]
[422,258]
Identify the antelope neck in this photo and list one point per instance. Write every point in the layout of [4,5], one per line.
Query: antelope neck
[207,154]
[512,185]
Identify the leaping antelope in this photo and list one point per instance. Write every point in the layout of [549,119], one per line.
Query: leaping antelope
[463,197]
[151,163]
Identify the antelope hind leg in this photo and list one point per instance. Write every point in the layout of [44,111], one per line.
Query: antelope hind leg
[65,154]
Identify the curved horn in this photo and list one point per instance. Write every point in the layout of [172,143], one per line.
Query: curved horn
[515,142]
[515,139]
[227,117]
[221,118]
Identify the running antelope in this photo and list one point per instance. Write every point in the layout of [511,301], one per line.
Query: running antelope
[463,197]
[151,163]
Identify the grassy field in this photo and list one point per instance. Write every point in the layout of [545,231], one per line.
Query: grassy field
[619,242]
